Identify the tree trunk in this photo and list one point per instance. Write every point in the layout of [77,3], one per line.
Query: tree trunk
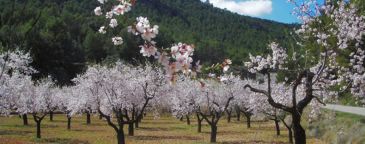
[38,121]
[199,123]
[120,137]
[229,115]
[187,120]
[100,117]
[68,122]
[299,132]
[88,118]
[144,114]
[199,126]
[290,132]
[238,115]
[290,135]
[25,119]
[182,118]
[213,133]
[51,115]
[248,121]
[38,129]
[131,129]
[136,123]
[277,127]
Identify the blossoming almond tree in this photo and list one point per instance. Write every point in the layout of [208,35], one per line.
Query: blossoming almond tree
[148,83]
[112,91]
[121,92]
[14,75]
[65,97]
[217,97]
[183,97]
[243,100]
[36,100]
[337,30]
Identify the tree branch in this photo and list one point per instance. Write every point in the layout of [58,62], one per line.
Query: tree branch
[110,123]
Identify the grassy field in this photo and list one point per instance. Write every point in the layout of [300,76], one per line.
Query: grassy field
[165,130]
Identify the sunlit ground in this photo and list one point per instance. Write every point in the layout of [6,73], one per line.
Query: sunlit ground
[165,130]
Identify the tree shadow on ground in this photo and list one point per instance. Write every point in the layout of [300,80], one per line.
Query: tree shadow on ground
[14,132]
[166,137]
[152,129]
[62,141]
[87,130]
[159,122]
[252,142]
[229,132]
[263,128]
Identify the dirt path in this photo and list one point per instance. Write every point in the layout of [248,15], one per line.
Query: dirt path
[347,109]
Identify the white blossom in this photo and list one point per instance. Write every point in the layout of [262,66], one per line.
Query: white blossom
[98,11]
[113,23]
[117,40]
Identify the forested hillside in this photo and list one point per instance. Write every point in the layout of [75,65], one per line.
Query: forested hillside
[62,35]
[216,33]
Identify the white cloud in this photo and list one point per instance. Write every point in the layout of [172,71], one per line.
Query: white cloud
[245,7]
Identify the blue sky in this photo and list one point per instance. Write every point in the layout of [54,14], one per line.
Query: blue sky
[277,10]
[281,11]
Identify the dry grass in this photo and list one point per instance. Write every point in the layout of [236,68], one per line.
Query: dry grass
[165,130]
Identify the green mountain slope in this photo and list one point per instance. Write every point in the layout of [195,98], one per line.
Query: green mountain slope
[217,33]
